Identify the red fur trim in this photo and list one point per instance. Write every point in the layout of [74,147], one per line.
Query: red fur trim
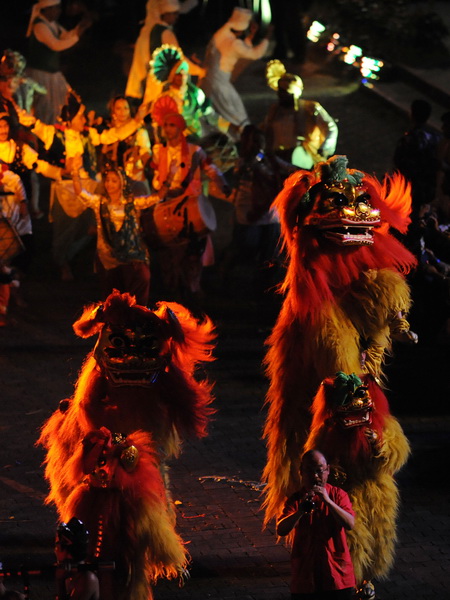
[88,324]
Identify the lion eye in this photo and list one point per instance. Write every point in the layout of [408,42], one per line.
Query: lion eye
[364,198]
[339,200]
[360,392]
[118,341]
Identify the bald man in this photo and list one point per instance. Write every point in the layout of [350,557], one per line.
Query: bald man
[319,514]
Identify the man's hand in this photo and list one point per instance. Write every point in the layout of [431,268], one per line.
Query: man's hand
[321,491]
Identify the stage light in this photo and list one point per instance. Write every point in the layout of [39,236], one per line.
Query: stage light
[352,54]
[370,67]
[315,31]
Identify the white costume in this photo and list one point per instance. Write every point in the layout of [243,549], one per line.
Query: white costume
[137,82]
[222,54]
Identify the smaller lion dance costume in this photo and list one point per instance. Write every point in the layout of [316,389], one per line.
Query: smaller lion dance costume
[135,400]
[365,447]
[345,301]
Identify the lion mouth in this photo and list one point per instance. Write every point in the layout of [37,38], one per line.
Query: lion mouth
[354,235]
[355,419]
[349,229]
[138,377]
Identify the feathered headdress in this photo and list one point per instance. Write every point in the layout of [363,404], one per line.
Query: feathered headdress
[166,61]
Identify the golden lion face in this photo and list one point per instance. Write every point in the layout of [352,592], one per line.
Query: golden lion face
[343,214]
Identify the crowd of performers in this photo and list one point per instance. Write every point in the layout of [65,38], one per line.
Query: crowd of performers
[138,181]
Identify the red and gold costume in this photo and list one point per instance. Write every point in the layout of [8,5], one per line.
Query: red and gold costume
[345,300]
[365,446]
[136,399]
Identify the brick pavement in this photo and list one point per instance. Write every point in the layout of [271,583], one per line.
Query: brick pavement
[216,480]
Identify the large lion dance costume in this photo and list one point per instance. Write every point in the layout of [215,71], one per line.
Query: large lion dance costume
[135,400]
[345,300]
[365,446]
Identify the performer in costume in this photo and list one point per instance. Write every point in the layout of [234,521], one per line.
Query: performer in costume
[23,88]
[71,224]
[229,44]
[179,167]
[365,446]
[169,67]
[136,399]
[345,300]
[131,154]
[14,211]
[147,384]
[298,131]
[25,161]
[123,259]
[161,16]
[47,39]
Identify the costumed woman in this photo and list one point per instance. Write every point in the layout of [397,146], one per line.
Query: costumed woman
[345,300]
[131,154]
[122,256]
[47,39]
[298,131]
[72,225]
[233,41]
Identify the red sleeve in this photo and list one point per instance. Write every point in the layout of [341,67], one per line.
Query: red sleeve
[342,499]
[290,506]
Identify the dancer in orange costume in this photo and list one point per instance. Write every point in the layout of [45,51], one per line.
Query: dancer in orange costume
[136,399]
[366,446]
[345,300]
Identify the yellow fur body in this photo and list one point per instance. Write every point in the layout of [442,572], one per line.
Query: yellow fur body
[301,355]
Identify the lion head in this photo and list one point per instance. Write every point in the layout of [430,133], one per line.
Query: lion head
[336,224]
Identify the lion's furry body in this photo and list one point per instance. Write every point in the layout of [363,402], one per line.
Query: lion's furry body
[342,306]
[157,416]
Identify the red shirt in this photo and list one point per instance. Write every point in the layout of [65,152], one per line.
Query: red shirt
[320,556]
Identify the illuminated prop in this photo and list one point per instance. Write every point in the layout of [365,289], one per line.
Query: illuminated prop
[135,400]
[166,61]
[365,446]
[345,300]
